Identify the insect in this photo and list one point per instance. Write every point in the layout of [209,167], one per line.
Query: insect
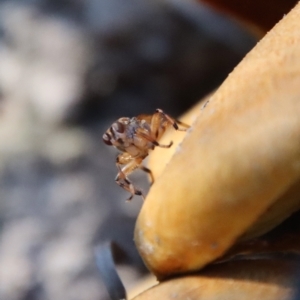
[135,137]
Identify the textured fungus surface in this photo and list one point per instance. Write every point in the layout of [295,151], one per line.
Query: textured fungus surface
[241,156]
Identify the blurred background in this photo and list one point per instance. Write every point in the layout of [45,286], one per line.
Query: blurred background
[68,69]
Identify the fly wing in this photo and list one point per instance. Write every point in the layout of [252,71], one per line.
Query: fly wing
[145,117]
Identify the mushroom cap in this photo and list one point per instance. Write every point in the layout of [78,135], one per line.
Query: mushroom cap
[247,280]
[236,174]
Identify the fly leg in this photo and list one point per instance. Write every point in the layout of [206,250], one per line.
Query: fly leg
[172,121]
[149,173]
[160,122]
[144,134]
[122,180]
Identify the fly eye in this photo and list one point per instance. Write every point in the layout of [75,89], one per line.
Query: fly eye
[118,127]
[107,139]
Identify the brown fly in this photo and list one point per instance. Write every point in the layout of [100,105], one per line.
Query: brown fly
[135,137]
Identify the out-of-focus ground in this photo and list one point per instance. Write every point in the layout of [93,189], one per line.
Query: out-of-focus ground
[68,69]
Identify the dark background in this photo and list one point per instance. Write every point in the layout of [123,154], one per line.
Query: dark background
[68,69]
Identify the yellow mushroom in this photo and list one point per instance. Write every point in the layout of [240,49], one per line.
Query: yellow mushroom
[236,167]
[247,280]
